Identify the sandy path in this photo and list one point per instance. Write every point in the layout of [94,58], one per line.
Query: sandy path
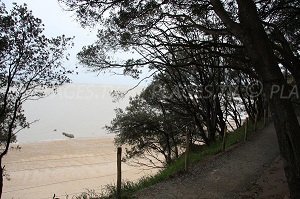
[63,167]
[223,176]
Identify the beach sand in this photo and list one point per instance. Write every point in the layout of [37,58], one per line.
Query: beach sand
[64,167]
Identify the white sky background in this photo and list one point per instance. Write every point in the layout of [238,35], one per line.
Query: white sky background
[58,22]
[82,110]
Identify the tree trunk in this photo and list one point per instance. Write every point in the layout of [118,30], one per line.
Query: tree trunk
[1,177]
[285,120]
[175,146]
[252,34]
[287,129]
[169,150]
[222,123]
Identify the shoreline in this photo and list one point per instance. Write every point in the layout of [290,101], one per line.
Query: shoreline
[62,167]
[62,139]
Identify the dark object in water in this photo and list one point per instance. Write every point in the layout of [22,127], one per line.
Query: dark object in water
[68,135]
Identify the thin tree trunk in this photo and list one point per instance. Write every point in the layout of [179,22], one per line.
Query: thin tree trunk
[169,150]
[175,146]
[1,177]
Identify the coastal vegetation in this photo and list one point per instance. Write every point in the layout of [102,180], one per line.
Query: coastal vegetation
[157,120]
[211,63]
[29,63]
[191,43]
[176,168]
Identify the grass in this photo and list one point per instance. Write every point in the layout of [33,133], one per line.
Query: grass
[176,168]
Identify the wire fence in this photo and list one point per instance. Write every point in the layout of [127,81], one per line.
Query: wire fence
[65,158]
[65,166]
[32,162]
[77,193]
[66,181]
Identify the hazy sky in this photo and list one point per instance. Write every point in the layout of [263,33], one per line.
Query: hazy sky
[58,22]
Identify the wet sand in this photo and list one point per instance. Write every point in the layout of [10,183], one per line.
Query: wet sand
[64,167]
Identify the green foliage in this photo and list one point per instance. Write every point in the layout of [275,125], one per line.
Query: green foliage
[174,169]
[29,63]
[146,127]
[188,48]
[244,37]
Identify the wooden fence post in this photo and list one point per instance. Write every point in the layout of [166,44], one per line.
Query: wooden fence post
[119,154]
[246,130]
[255,123]
[187,151]
[224,139]
[256,115]
[265,117]
[269,113]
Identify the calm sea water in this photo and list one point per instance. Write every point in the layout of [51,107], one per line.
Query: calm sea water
[81,110]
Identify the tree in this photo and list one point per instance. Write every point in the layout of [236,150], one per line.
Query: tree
[29,64]
[256,37]
[148,128]
[157,120]
[252,34]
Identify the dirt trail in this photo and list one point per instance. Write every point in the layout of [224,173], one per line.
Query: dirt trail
[223,176]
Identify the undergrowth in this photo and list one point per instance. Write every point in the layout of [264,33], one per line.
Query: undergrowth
[176,168]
